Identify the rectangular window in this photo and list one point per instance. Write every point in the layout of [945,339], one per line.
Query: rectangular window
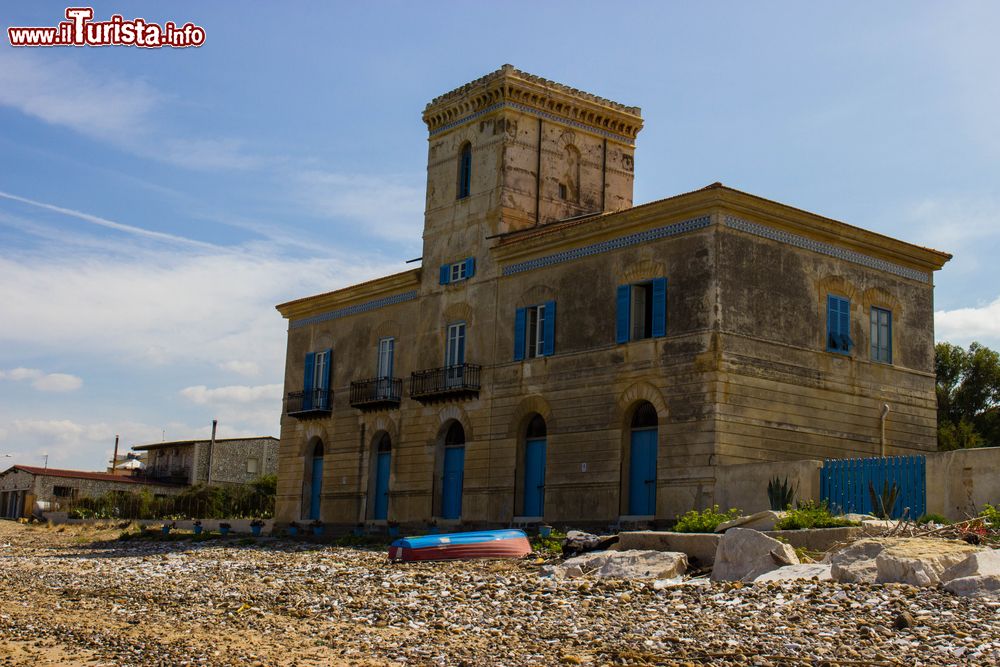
[316,380]
[457,271]
[455,350]
[838,325]
[63,491]
[252,466]
[535,331]
[320,370]
[642,311]
[386,351]
[881,335]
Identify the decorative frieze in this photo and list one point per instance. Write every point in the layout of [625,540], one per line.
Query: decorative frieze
[355,309]
[824,248]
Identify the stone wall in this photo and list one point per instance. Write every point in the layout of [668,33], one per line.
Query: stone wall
[745,486]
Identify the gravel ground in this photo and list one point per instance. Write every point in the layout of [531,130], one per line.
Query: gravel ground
[76,596]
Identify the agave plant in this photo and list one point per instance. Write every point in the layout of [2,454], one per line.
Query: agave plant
[780,494]
[883,503]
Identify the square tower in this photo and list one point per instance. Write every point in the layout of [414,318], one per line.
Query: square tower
[511,150]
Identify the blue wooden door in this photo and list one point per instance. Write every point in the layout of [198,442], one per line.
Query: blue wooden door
[382,486]
[642,473]
[316,487]
[451,487]
[534,477]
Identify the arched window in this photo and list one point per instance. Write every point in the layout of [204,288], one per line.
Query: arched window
[645,416]
[465,171]
[455,436]
[536,427]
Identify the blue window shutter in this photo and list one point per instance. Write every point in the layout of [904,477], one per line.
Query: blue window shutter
[445,273]
[845,325]
[832,312]
[659,307]
[622,317]
[470,267]
[549,332]
[329,367]
[307,381]
[519,333]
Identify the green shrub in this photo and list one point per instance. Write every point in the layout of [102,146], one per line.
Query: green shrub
[933,518]
[705,521]
[551,544]
[811,514]
[991,514]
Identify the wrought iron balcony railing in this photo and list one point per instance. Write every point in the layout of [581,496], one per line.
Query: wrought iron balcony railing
[306,404]
[445,382]
[373,393]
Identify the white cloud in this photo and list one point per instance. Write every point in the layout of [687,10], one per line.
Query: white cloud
[271,393]
[965,325]
[127,113]
[42,381]
[247,368]
[391,208]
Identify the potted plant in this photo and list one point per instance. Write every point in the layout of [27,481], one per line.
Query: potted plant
[224,529]
[166,528]
[317,527]
[293,529]
[256,526]
[544,530]
[197,527]
[393,529]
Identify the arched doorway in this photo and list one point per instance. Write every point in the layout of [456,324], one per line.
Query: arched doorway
[382,459]
[453,472]
[643,439]
[533,498]
[313,487]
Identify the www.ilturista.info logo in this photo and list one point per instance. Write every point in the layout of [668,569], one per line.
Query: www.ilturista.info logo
[81,30]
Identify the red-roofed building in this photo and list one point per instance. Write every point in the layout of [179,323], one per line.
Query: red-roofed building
[22,486]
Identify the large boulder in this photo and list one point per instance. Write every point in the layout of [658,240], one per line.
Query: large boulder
[759,521]
[855,563]
[919,561]
[579,542]
[699,547]
[632,564]
[745,554]
[819,571]
[978,574]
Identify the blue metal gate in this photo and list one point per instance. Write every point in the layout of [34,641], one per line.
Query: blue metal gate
[381,510]
[843,483]
[316,490]
[451,488]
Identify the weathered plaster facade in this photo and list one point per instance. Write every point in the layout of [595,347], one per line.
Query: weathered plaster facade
[739,373]
[231,460]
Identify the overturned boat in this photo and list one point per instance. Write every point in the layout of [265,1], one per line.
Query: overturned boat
[507,543]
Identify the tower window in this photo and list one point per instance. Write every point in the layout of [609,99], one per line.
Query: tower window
[563,193]
[465,171]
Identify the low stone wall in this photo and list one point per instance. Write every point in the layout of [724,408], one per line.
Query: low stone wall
[699,546]
[818,539]
[960,482]
[744,486]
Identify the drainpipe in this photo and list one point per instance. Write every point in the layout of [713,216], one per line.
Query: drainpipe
[211,448]
[538,176]
[885,413]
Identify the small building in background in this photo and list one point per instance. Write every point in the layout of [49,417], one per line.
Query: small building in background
[22,488]
[227,461]
[128,465]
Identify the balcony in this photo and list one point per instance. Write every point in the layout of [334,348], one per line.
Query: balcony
[443,383]
[376,393]
[309,404]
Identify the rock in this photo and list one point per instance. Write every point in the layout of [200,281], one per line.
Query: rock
[578,542]
[977,575]
[856,563]
[745,554]
[632,564]
[759,521]
[820,571]
[904,620]
[699,547]
[982,563]
[919,561]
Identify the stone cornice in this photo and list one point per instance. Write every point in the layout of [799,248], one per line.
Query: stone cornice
[355,296]
[511,88]
[546,240]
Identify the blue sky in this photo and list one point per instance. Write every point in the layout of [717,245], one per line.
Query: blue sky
[156,204]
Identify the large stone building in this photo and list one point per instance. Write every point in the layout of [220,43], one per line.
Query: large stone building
[220,461]
[564,355]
